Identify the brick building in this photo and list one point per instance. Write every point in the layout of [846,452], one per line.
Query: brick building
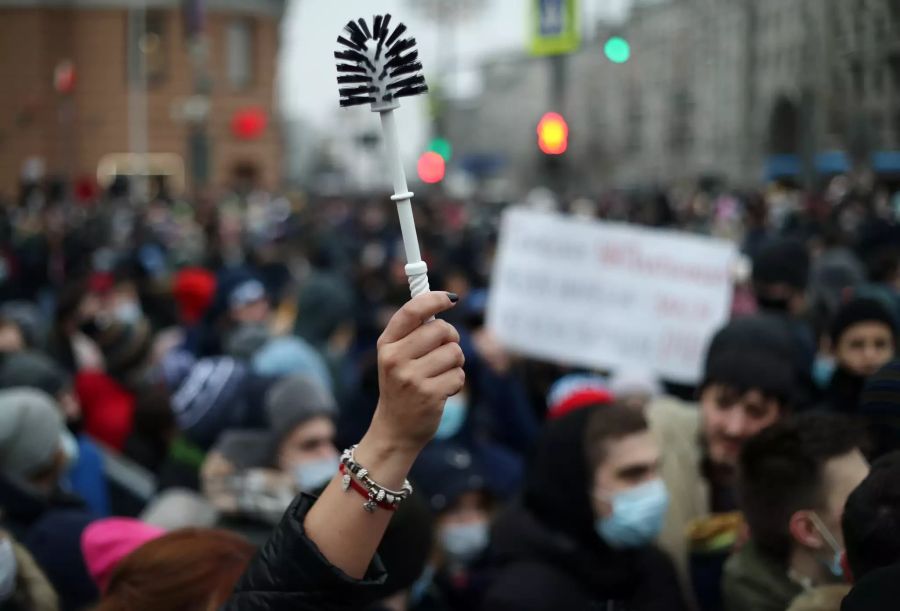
[139,87]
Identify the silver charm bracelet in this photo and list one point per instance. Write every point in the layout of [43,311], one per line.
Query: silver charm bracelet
[378,495]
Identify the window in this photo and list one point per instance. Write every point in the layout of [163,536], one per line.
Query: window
[239,53]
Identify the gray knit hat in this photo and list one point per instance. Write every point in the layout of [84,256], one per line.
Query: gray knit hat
[33,369]
[296,399]
[30,429]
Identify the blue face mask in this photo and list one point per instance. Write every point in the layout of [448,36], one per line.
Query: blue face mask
[314,474]
[822,371]
[834,564]
[455,410]
[8,570]
[419,589]
[464,542]
[637,516]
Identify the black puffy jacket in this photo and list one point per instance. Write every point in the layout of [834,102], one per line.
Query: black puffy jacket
[290,574]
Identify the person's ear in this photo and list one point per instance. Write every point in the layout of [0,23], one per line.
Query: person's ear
[803,530]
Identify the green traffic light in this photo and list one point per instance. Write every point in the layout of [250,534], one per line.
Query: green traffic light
[442,147]
[617,50]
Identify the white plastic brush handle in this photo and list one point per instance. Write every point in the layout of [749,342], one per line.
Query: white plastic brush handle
[416,269]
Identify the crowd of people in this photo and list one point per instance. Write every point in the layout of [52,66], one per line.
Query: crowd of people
[179,382]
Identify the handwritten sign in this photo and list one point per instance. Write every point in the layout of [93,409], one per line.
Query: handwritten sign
[608,295]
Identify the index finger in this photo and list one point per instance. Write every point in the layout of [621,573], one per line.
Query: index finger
[415,313]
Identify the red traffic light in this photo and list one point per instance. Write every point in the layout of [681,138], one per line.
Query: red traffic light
[432,168]
[553,134]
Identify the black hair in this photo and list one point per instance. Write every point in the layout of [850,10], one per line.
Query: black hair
[871,522]
[609,423]
[781,471]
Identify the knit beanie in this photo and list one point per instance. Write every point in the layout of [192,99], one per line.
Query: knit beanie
[296,399]
[782,261]
[193,289]
[210,399]
[635,381]
[34,370]
[753,352]
[860,310]
[284,356]
[575,391]
[106,542]
[28,318]
[30,429]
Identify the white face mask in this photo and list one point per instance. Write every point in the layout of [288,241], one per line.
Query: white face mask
[9,569]
[464,542]
[128,312]
[313,474]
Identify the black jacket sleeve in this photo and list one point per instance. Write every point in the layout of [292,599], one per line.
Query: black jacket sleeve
[291,574]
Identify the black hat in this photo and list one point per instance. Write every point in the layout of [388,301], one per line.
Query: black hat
[753,352]
[782,261]
[875,591]
[446,471]
[125,346]
[861,309]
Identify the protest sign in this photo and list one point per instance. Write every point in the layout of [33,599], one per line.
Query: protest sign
[607,295]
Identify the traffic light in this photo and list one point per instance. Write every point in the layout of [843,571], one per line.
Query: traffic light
[553,134]
[431,167]
[617,50]
[442,147]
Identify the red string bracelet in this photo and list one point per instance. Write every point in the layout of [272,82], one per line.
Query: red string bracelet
[362,490]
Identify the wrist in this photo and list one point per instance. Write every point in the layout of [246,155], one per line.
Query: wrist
[387,460]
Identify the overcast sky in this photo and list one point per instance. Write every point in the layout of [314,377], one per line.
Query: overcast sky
[307,83]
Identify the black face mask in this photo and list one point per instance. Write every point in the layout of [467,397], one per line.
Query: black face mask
[773,304]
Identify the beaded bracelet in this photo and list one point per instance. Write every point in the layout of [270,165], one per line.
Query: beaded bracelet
[377,495]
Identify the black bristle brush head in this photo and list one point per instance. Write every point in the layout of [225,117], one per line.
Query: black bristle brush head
[376,65]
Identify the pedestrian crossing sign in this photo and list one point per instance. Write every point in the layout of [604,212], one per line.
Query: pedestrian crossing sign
[553,26]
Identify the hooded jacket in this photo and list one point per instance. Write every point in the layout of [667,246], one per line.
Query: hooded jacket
[547,553]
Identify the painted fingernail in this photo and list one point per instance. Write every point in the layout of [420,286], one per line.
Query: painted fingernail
[453,297]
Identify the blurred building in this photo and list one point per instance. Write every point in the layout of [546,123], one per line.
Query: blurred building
[181,89]
[734,90]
